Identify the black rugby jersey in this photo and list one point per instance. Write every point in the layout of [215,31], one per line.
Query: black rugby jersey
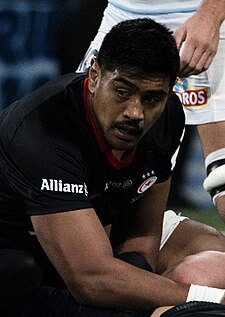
[51,160]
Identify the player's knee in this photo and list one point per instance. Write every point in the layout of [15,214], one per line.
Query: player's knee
[178,272]
[29,267]
[214,240]
[188,271]
[205,268]
[20,275]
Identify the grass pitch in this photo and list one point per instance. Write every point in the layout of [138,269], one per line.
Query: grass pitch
[210,217]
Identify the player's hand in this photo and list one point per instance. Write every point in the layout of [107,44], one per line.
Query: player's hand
[197,39]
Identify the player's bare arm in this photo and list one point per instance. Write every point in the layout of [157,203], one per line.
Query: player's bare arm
[79,248]
[141,231]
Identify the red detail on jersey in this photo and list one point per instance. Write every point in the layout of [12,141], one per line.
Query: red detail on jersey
[95,195]
[103,145]
[193,98]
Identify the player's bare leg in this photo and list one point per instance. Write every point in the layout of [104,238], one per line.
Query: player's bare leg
[190,237]
[205,268]
[212,137]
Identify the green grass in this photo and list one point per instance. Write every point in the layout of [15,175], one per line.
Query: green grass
[209,217]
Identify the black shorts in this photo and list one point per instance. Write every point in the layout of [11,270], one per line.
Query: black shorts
[196,309]
[56,302]
[23,294]
[49,302]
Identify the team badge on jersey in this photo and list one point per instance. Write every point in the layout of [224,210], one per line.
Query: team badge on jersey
[191,97]
[147,183]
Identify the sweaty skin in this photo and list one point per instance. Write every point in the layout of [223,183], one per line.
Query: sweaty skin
[135,106]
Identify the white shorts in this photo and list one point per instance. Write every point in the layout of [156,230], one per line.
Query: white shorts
[170,222]
[203,95]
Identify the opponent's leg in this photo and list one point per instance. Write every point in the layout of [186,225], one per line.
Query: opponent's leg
[205,268]
[212,136]
[212,139]
[189,237]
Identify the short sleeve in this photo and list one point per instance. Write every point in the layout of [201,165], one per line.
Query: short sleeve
[47,170]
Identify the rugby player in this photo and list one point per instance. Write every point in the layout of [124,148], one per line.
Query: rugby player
[199,30]
[92,151]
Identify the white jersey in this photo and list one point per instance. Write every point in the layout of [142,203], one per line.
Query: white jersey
[156,6]
[203,95]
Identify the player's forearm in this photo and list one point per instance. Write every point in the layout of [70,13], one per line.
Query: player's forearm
[119,285]
[215,9]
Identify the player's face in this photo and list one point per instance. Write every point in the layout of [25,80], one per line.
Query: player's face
[124,107]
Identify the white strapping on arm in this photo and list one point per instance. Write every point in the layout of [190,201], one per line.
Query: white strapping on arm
[205,294]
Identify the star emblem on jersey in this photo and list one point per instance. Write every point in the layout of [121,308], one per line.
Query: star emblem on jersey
[146,184]
[147,175]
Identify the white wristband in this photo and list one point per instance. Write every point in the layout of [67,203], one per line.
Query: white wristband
[205,294]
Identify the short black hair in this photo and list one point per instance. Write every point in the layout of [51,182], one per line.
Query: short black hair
[141,46]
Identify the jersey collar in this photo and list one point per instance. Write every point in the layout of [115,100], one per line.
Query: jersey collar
[114,161]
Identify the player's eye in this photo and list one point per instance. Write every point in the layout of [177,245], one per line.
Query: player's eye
[153,99]
[123,93]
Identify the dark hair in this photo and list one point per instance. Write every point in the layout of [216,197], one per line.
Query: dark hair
[141,46]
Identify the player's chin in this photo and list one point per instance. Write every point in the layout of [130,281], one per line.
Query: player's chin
[125,145]
[123,141]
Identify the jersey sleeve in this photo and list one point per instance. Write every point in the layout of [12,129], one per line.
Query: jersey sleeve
[45,166]
[50,180]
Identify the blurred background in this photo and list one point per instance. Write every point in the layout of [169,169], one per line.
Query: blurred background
[45,38]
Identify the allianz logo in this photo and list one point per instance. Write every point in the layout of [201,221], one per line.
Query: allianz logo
[58,186]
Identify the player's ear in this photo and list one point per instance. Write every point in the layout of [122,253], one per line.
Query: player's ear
[94,74]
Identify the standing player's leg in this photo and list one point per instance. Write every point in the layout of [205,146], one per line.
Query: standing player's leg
[213,142]
[210,119]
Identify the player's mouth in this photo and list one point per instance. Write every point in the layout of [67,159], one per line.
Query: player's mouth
[127,132]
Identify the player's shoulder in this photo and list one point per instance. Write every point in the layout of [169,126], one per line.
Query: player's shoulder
[53,88]
[44,103]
